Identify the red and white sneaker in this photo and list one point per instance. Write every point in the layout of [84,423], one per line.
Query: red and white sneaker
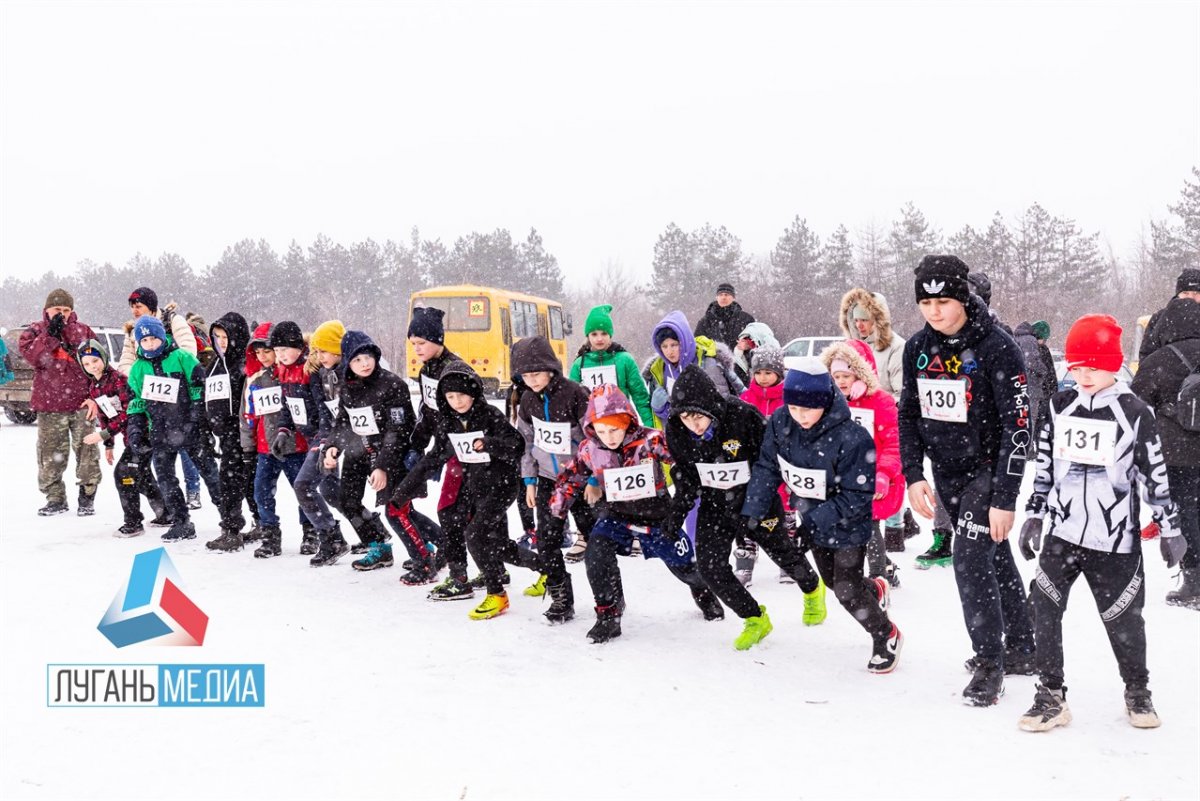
[887,653]
[883,592]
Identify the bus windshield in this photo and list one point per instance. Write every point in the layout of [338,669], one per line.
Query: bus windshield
[462,314]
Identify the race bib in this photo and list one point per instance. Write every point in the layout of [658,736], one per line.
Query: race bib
[943,400]
[1084,441]
[802,481]
[160,388]
[362,421]
[865,418]
[299,411]
[629,483]
[592,377]
[333,406]
[464,448]
[429,391]
[723,476]
[110,405]
[552,437]
[216,387]
[267,401]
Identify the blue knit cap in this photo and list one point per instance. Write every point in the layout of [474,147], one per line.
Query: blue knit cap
[149,326]
[807,384]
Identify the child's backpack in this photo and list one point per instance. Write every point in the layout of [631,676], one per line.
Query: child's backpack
[1186,409]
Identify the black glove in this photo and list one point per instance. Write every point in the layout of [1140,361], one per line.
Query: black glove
[1031,537]
[137,437]
[1173,549]
[283,445]
[57,324]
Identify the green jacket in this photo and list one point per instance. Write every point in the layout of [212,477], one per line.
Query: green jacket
[629,377]
[180,416]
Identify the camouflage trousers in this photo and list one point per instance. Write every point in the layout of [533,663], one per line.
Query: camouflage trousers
[58,433]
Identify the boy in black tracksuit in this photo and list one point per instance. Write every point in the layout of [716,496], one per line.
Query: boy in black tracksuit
[223,388]
[715,440]
[964,405]
[1097,441]
[550,418]
[490,450]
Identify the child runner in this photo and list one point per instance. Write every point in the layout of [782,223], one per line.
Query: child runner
[676,349]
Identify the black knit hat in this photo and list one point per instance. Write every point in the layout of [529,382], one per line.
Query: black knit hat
[427,324]
[725,286]
[144,295]
[943,277]
[1188,281]
[286,335]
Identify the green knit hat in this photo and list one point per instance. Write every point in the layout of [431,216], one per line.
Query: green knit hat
[1041,329]
[598,319]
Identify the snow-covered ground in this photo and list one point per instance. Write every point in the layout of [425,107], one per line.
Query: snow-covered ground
[374,692]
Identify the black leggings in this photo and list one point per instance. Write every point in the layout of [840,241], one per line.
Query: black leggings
[842,569]
[550,530]
[1118,584]
[237,482]
[487,537]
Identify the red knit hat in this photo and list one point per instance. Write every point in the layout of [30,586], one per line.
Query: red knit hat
[1095,341]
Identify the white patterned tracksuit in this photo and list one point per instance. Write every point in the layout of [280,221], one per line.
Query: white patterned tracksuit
[1093,450]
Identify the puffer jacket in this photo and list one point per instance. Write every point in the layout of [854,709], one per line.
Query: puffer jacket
[562,401]
[885,342]
[177,329]
[113,388]
[714,357]
[381,397]
[629,379]
[59,384]
[428,419]
[1161,374]
[224,414]
[723,324]
[174,424]
[641,444]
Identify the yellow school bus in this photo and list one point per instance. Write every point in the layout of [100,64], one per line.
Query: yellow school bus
[482,323]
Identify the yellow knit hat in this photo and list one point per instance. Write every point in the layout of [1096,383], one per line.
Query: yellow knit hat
[328,337]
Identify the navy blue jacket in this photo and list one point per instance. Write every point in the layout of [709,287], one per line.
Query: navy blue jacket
[836,445]
[386,395]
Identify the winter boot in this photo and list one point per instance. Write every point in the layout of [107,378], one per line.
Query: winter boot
[911,527]
[454,588]
[331,546]
[743,565]
[379,554]
[423,571]
[1016,662]
[161,517]
[230,540]
[1048,711]
[193,499]
[53,508]
[883,592]
[708,602]
[940,554]
[408,564]
[538,588]
[886,652]
[814,605]
[480,582]
[562,602]
[1138,707]
[492,606]
[608,624]
[893,539]
[129,530]
[576,553]
[309,542]
[754,630]
[87,504]
[180,530]
[272,543]
[892,574]
[255,533]
[1188,594]
[986,686]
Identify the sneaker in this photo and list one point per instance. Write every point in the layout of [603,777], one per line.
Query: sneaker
[193,500]
[608,624]
[480,583]
[183,530]
[1016,663]
[883,591]
[1139,708]
[129,530]
[754,629]
[1048,711]
[940,554]
[744,558]
[1188,594]
[492,606]
[87,504]
[814,605]
[986,686]
[408,564]
[53,508]
[309,544]
[229,541]
[709,604]
[886,653]
[577,551]
[538,588]
[379,554]
[784,578]
[255,533]
[331,546]
[162,521]
[422,572]
[892,574]
[272,543]
[452,589]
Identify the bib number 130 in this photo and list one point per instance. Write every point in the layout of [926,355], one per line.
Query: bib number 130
[943,400]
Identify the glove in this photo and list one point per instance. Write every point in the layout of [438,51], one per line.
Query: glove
[57,324]
[1031,537]
[659,400]
[283,445]
[1173,549]
[136,437]
[857,390]
[1151,531]
[882,484]
[410,459]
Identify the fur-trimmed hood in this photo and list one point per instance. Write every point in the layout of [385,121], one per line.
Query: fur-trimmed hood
[861,364]
[876,305]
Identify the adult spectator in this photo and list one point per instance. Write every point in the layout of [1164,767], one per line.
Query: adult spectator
[865,316]
[724,320]
[1158,381]
[1035,370]
[59,391]
[1041,330]
[1187,286]
[143,301]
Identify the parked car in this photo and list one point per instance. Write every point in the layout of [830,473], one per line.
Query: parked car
[15,395]
[1064,376]
[809,346]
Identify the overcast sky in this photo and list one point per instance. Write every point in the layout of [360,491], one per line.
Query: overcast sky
[159,126]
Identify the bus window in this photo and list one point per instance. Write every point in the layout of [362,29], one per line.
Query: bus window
[524,319]
[462,314]
[542,327]
[556,323]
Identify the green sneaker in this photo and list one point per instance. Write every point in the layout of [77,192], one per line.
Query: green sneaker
[755,629]
[940,554]
[814,605]
[452,589]
[538,588]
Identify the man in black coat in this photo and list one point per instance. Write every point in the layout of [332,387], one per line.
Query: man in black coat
[1157,382]
[1187,286]
[724,319]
